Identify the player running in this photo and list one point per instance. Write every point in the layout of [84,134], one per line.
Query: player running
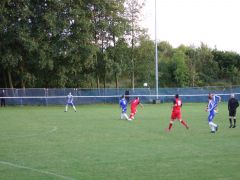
[123,105]
[134,105]
[176,113]
[213,101]
[70,102]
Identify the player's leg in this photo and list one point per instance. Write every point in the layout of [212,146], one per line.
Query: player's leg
[132,114]
[234,118]
[121,117]
[170,124]
[210,118]
[179,116]
[74,107]
[126,116]
[66,107]
[230,118]
[173,117]
[184,123]
[212,125]
[230,121]
[234,122]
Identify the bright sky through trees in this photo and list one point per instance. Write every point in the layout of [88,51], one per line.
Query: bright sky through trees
[188,22]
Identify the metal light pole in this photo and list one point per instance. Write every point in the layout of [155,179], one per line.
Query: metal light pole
[156,51]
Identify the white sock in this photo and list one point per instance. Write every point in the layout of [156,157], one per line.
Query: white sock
[66,108]
[121,116]
[125,115]
[212,126]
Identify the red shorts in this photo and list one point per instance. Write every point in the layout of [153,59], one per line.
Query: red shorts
[176,115]
[133,110]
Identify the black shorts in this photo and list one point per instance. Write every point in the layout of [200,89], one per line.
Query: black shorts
[232,113]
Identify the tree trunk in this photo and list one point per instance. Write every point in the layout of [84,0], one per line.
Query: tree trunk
[193,80]
[104,82]
[116,81]
[5,79]
[132,71]
[10,79]
[22,83]
[132,43]
[22,80]
[98,82]
[132,80]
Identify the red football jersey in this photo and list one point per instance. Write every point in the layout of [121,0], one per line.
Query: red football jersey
[135,103]
[177,104]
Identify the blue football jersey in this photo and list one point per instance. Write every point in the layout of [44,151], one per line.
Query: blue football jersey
[123,104]
[211,105]
[69,98]
[216,99]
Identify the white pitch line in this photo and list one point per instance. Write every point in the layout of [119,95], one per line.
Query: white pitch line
[35,170]
[30,135]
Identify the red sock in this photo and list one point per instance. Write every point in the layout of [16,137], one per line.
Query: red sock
[131,116]
[170,126]
[184,123]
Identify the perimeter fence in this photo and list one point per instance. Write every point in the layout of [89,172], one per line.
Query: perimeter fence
[44,96]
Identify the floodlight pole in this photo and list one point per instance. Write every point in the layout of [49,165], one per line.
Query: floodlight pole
[156,50]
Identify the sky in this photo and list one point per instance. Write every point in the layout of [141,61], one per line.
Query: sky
[190,22]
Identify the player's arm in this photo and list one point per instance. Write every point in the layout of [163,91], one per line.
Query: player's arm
[229,105]
[174,103]
[120,104]
[206,109]
[219,98]
[237,104]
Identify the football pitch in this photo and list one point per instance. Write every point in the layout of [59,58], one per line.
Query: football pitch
[93,143]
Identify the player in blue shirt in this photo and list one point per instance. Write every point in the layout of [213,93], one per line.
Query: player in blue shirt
[213,101]
[123,105]
[216,100]
[70,102]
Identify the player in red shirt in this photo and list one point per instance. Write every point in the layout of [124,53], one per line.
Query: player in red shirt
[134,105]
[176,113]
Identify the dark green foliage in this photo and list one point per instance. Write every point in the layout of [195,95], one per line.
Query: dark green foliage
[145,63]
[229,65]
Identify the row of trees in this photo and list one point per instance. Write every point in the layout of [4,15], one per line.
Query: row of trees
[97,43]
[201,66]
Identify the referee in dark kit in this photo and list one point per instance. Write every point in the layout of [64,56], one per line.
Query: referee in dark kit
[232,108]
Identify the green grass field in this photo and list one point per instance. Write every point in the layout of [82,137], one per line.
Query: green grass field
[93,143]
